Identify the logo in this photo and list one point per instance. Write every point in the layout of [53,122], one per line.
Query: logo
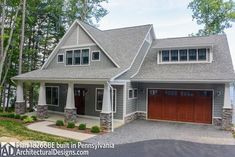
[7,148]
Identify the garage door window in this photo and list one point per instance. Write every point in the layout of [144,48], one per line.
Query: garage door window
[153,92]
[186,93]
[171,92]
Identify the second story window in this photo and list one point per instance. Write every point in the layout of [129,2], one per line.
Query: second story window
[77,57]
[192,55]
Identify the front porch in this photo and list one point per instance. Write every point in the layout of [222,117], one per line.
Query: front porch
[90,103]
[88,120]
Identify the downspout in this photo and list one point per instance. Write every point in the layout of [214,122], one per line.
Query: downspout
[111,103]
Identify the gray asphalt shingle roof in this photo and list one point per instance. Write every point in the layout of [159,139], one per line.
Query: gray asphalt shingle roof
[221,67]
[121,45]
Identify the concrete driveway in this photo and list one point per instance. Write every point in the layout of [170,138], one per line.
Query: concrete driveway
[141,130]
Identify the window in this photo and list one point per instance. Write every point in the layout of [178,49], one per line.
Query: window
[77,57]
[201,54]
[165,55]
[192,54]
[135,93]
[96,56]
[174,55]
[132,93]
[69,57]
[183,55]
[60,58]
[85,56]
[52,96]
[99,99]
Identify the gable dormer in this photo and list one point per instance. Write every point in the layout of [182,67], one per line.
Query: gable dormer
[78,49]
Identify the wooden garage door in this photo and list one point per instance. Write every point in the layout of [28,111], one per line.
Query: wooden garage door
[180,105]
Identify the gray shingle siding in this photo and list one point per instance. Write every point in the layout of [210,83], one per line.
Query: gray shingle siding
[131,104]
[104,60]
[89,99]
[218,99]
[137,62]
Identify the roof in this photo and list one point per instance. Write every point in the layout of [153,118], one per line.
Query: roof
[221,67]
[69,73]
[121,44]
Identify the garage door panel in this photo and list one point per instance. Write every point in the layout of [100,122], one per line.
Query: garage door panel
[181,105]
[170,105]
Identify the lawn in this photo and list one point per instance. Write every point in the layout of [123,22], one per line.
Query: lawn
[16,129]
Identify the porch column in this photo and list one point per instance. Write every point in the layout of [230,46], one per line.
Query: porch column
[42,105]
[227,109]
[70,111]
[106,113]
[20,106]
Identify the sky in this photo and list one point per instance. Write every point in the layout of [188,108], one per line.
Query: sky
[170,18]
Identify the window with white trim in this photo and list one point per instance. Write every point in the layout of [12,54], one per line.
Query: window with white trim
[52,95]
[77,57]
[60,58]
[132,93]
[95,55]
[99,99]
[184,55]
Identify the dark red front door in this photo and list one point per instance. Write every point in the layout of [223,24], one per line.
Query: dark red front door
[79,94]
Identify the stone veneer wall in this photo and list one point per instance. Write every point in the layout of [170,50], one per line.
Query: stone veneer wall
[134,116]
[20,107]
[70,115]
[42,111]
[106,122]
[217,122]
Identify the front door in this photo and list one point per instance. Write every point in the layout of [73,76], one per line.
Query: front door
[79,94]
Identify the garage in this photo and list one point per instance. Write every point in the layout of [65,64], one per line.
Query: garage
[180,105]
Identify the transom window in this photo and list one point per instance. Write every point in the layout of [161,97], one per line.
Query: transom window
[184,55]
[99,99]
[52,95]
[77,57]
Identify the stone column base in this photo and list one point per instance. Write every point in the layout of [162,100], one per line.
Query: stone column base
[70,115]
[42,111]
[227,119]
[217,122]
[20,107]
[106,122]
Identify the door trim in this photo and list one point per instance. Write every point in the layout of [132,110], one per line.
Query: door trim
[212,90]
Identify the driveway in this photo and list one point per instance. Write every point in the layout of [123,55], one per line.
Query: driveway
[166,148]
[141,130]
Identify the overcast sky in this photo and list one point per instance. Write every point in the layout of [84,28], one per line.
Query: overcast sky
[171,18]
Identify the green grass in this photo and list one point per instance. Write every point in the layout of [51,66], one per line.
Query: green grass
[11,128]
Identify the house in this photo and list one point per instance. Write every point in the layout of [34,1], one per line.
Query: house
[130,73]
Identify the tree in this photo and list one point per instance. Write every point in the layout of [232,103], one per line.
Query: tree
[85,10]
[214,15]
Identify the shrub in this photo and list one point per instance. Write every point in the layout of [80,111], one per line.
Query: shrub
[23,117]
[8,115]
[28,120]
[95,129]
[71,125]
[59,123]
[17,116]
[82,127]
[34,118]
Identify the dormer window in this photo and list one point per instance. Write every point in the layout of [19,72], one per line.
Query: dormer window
[192,55]
[77,57]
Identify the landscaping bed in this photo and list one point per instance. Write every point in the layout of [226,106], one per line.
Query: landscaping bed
[81,128]
[16,128]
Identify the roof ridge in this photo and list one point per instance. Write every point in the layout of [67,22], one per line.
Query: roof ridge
[126,27]
[90,25]
[191,37]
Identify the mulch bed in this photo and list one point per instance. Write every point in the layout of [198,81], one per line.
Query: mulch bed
[87,131]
